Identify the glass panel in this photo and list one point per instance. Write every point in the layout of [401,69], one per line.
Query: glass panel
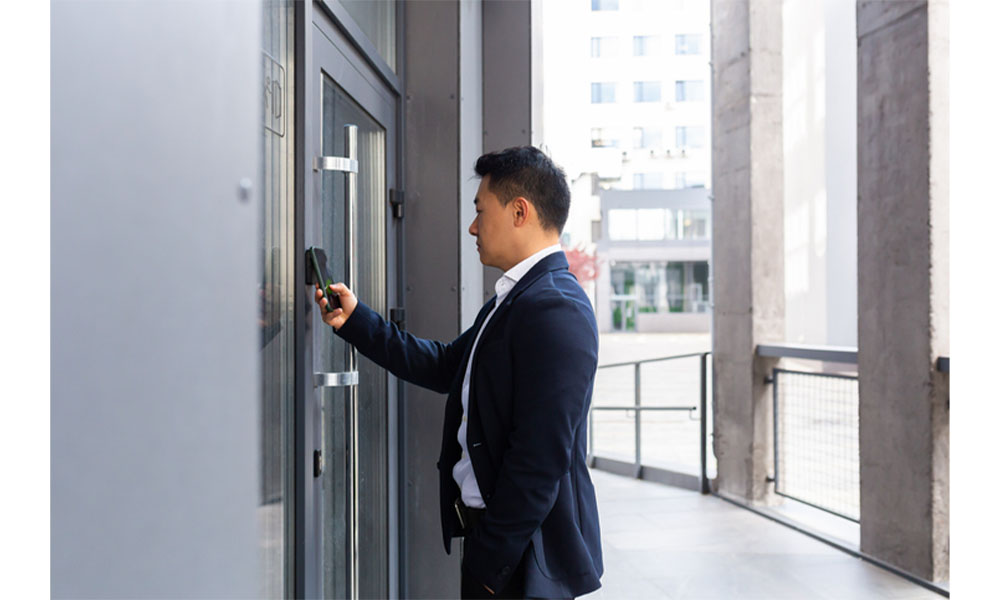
[687,44]
[645,45]
[646,91]
[602,92]
[687,91]
[603,4]
[602,47]
[651,221]
[330,355]
[276,289]
[377,18]
[370,286]
[693,224]
[622,224]
[675,286]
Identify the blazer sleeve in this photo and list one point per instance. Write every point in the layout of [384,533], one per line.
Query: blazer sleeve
[426,363]
[554,348]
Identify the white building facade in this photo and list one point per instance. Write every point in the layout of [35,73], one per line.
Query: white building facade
[626,107]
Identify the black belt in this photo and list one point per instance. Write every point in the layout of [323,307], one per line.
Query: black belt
[468,518]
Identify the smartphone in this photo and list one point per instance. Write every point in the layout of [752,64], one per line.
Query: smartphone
[319,272]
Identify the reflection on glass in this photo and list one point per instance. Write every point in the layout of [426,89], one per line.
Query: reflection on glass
[276,298]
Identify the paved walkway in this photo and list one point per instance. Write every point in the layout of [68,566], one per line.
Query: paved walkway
[665,542]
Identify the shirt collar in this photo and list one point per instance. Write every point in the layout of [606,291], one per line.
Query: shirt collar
[506,283]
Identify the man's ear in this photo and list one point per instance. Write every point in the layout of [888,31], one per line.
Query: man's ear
[521,210]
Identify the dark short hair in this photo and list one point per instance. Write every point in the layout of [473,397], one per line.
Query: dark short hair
[526,171]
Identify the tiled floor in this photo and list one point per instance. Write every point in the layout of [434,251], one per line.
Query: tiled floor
[664,542]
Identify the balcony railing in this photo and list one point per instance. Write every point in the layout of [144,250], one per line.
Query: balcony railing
[637,409]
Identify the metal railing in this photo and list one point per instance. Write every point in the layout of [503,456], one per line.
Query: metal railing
[636,468]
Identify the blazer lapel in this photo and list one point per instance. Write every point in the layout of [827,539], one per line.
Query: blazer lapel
[483,312]
[552,262]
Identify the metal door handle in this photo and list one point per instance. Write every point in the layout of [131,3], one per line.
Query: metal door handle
[345,379]
[335,163]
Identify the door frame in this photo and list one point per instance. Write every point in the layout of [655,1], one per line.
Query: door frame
[357,68]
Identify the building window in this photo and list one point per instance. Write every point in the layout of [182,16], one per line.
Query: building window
[660,287]
[622,224]
[689,179]
[602,93]
[687,43]
[644,224]
[647,137]
[651,224]
[603,47]
[601,137]
[603,4]
[645,45]
[647,91]
[692,224]
[690,136]
[689,91]
[647,181]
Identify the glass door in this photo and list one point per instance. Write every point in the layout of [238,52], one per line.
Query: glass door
[276,297]
[350,141]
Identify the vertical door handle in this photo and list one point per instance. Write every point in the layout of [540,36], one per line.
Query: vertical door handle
[351,198]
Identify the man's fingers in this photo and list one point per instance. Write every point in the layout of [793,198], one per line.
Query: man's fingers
[339,288]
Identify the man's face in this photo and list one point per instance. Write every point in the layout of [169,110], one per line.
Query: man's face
[493,227]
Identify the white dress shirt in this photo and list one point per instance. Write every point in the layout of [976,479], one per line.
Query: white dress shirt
[464,476]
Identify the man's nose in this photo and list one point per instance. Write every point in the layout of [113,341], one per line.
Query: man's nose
[473,230]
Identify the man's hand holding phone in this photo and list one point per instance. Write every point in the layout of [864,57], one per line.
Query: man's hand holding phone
[337,316]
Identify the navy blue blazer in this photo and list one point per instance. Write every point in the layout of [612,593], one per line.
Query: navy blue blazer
[530,390]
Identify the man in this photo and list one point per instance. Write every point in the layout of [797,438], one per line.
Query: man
[514,479]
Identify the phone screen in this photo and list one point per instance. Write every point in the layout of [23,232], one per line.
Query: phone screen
[332,301]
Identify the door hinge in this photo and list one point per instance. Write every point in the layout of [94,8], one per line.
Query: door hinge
[396,198]
[317,463]
[398,316]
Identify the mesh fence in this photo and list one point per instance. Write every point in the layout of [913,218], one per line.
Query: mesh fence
[816,440]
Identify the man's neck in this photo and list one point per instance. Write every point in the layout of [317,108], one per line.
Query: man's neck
[531,250]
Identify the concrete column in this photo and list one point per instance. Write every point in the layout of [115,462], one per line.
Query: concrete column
[903,282]
[443,278]
[747,236]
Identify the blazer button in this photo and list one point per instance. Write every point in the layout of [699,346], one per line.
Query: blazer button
[505,570]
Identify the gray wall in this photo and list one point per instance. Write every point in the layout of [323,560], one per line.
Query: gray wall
[451,109]
[154,408]
[442,283]
[510,109]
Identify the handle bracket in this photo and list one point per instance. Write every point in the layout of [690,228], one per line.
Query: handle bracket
[335,163]
[345,379]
